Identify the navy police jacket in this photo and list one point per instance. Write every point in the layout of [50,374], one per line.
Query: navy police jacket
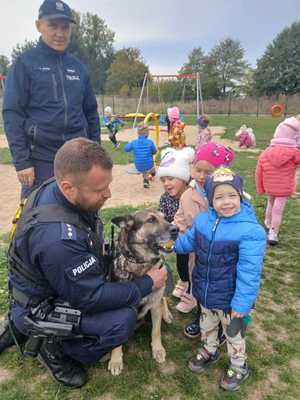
[48,100]
[229,258]
[69,261]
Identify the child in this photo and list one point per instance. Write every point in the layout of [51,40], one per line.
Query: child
[113,124]
[176,135]
[204,133]
[208,157]
[143,152]
[174,173]
[246,137]
[229,244]
[276,173]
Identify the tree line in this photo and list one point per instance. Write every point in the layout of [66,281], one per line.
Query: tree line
[224,70]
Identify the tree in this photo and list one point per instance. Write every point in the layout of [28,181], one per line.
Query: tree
[20,48]
[127,69]
[278,70]
[4,64]
[92,42]
[247,84]
[198,62]
[194,63]
[227,59]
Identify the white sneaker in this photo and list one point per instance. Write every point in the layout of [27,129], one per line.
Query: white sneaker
[272,237]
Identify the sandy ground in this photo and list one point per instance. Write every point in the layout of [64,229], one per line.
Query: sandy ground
[126,188]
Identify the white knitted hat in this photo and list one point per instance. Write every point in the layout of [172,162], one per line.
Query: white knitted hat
[108,110]
[176,163]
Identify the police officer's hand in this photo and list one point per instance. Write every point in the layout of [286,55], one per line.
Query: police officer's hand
[26,176]
[159,276]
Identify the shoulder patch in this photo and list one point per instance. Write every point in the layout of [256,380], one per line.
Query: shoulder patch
[68,232]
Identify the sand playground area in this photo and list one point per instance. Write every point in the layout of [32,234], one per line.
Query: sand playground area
[126,188]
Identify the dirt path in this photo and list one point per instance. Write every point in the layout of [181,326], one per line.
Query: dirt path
[126,188]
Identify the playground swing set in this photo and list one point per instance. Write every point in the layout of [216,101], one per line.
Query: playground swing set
[155,118]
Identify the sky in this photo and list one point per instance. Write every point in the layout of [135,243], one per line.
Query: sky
[166,30]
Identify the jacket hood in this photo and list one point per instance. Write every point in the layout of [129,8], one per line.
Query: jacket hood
[279,155]
[246,214]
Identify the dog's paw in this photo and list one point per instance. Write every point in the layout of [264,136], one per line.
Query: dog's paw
[115,367]
[159,354]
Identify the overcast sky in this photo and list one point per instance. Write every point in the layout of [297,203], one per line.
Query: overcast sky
[166,30]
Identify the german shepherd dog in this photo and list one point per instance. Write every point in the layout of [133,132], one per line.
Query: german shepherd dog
[144,236]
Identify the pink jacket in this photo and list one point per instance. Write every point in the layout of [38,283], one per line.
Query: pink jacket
[191,203]
[276,171]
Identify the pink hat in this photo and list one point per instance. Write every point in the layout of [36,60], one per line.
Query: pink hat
[287,133]
[173,113]
[214,153]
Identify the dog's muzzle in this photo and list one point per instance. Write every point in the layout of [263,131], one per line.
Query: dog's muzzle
[167,245]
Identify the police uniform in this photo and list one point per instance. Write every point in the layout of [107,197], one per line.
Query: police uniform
[48,100]
[68,258]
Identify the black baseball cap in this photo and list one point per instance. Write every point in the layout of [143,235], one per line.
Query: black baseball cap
[55,9]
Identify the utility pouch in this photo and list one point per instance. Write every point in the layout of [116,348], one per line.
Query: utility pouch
[57,321]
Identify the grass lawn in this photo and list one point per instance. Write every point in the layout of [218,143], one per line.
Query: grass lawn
[118,155]
[272,342]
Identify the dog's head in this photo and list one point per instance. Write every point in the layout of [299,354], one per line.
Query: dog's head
[146,234]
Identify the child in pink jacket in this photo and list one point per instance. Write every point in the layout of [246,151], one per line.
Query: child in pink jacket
[208,157]
[276,173]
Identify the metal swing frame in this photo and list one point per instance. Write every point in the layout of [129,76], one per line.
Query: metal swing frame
[193,76]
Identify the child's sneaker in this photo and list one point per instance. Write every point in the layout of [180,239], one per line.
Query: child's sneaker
[202,360]
[192,330]
[146,184]
[272,237]
[187,303]
[234,377]
[180,288]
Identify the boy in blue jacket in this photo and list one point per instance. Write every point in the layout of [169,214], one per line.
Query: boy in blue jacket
[229,244]
[143,152]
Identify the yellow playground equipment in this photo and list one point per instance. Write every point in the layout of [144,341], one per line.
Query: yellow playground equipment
[154,117]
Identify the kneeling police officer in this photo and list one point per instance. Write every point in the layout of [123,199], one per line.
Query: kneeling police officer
[57,269]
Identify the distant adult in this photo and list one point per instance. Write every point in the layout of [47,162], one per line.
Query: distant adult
[48,99]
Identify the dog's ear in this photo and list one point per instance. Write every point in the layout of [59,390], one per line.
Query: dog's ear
[123,221]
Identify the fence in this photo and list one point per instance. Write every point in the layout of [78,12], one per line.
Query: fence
[228,106]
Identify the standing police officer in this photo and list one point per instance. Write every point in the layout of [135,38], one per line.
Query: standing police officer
[48,99]
[62,260]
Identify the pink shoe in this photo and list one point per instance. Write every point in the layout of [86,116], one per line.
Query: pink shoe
[187,303]
[180,288]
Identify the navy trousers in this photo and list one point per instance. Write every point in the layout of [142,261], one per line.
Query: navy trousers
[43,170]
[110,329]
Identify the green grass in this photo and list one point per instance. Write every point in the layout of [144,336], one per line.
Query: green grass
[272,342]
[5,156]
[118,155]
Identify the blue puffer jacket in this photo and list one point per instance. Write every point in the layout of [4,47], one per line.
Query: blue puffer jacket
[48,100]
[229,258]
[143,151]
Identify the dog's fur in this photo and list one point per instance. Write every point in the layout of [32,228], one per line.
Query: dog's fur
[142,238]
